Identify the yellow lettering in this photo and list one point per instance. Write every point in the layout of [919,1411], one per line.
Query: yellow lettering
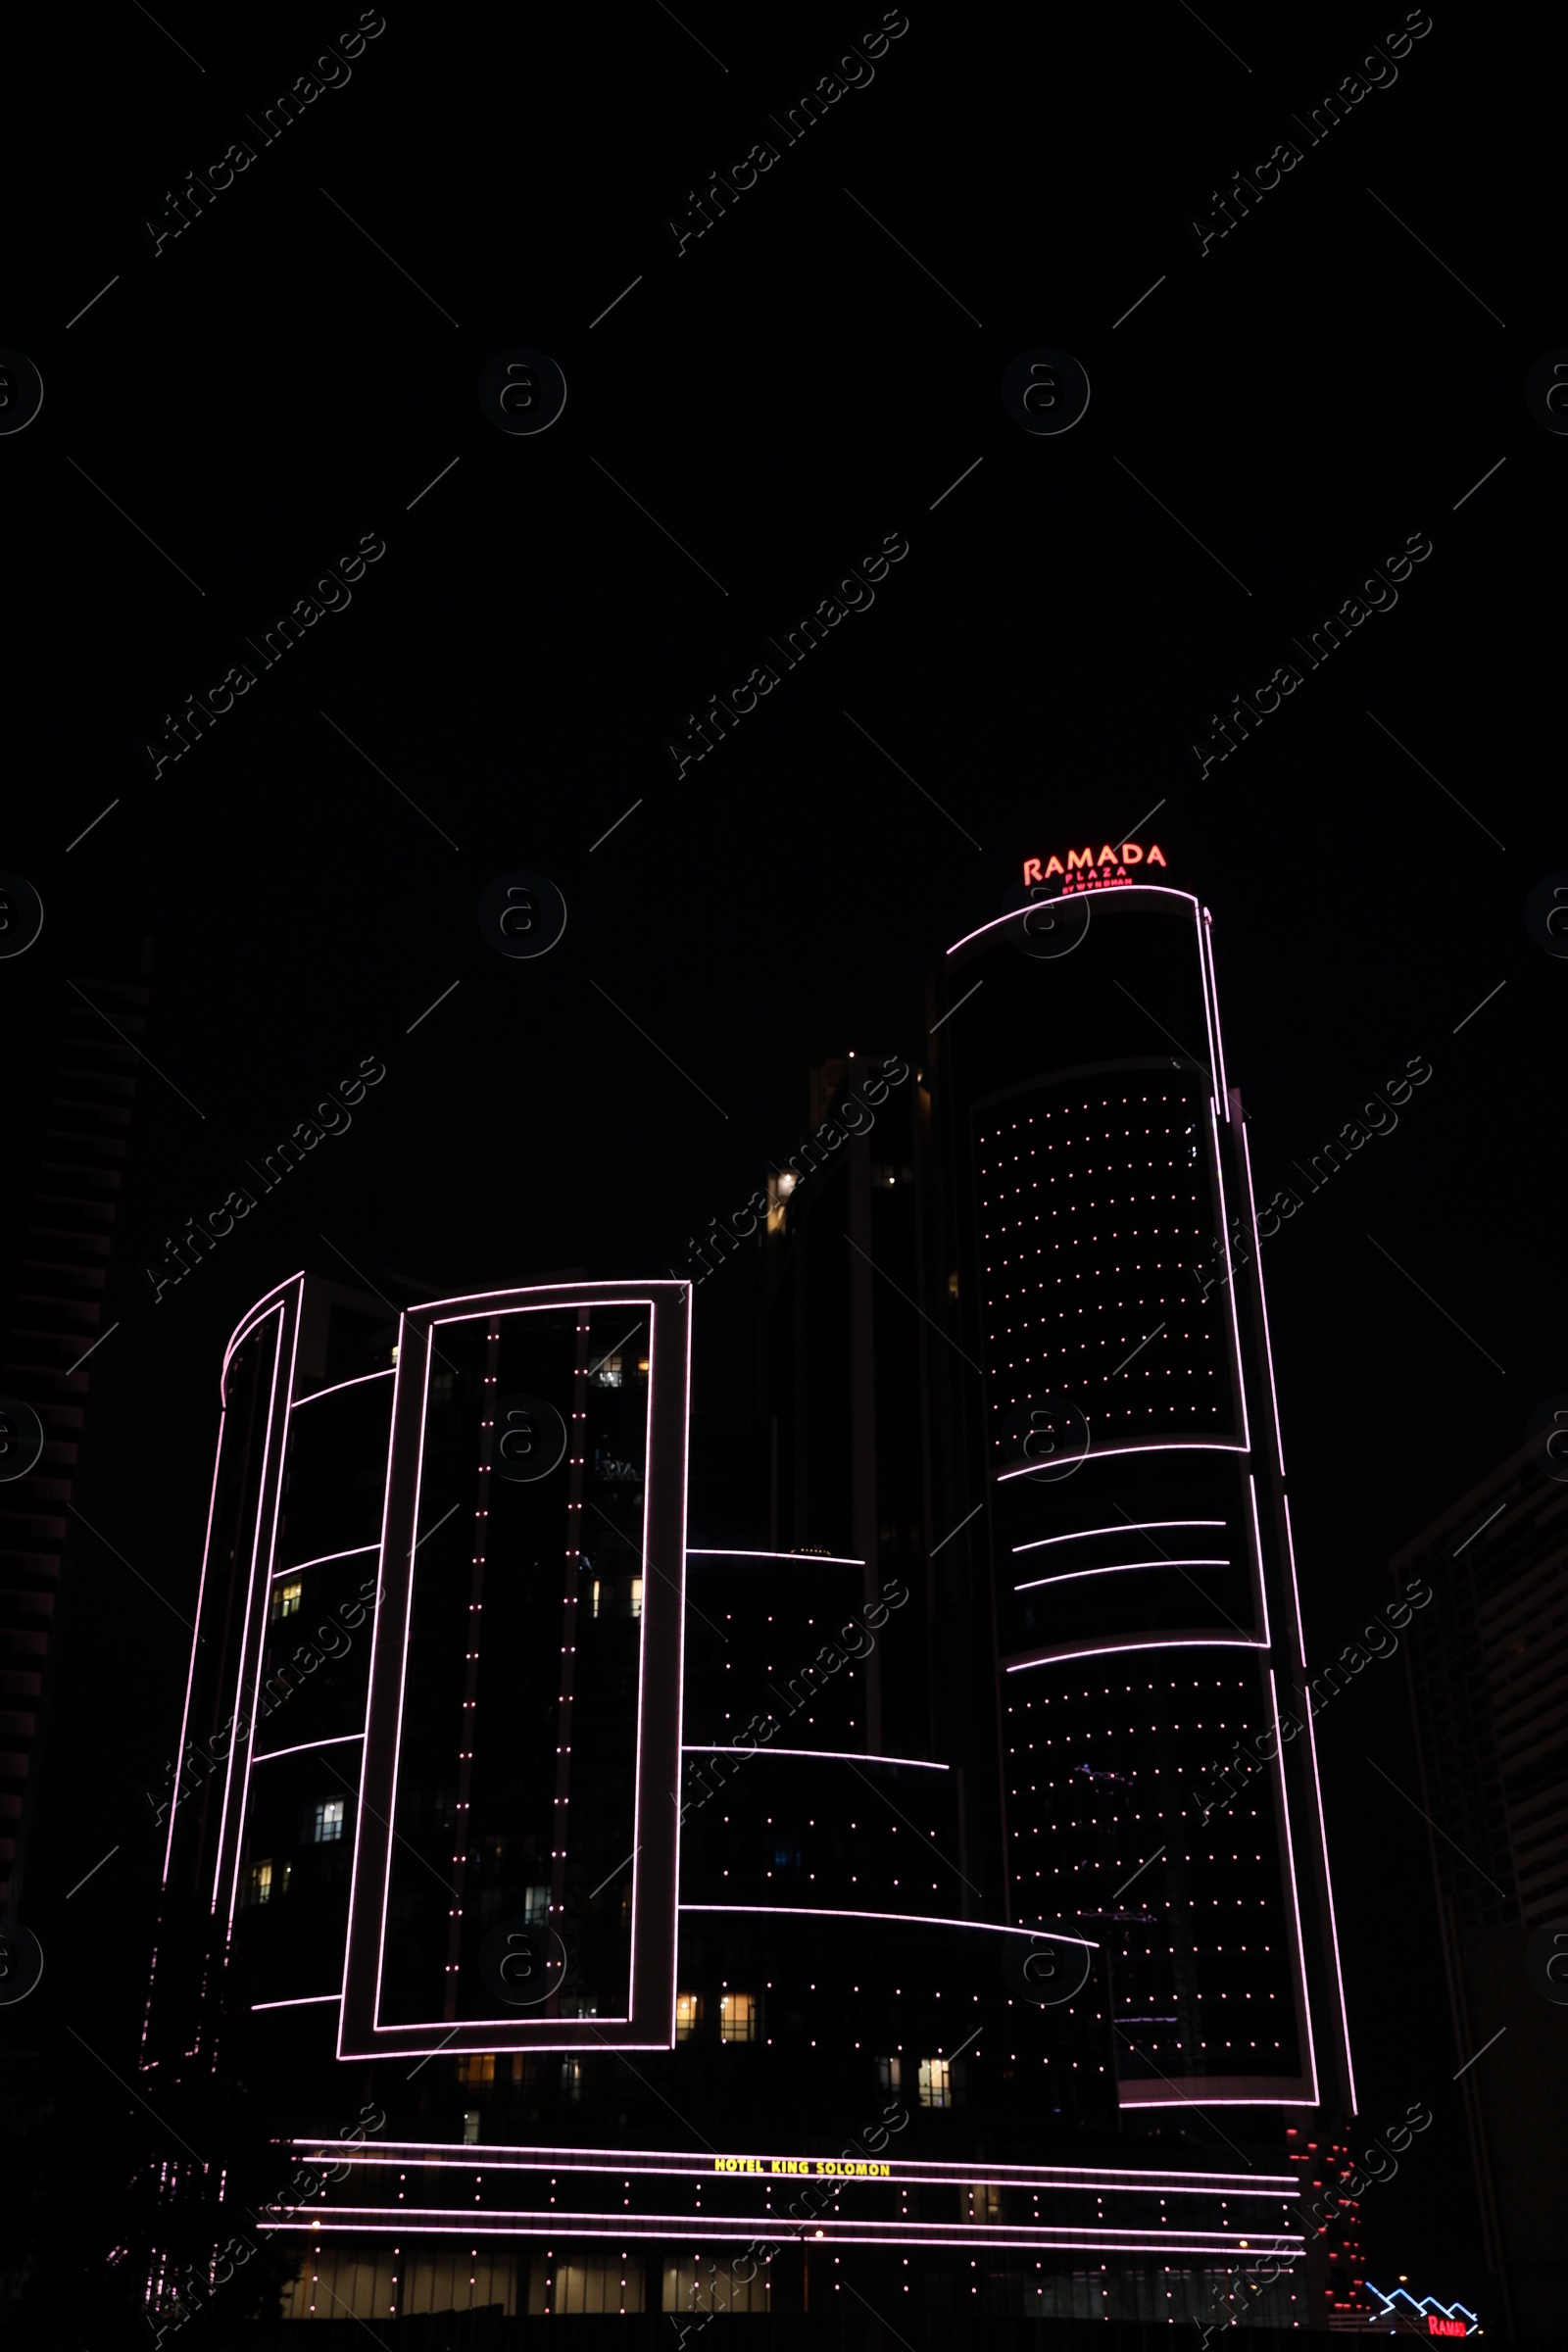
[1155,858]
[1078,858]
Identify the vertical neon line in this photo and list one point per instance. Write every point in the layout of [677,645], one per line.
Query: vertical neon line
[249,1592]
[370,1677]
[271,1554]
[1296,1901]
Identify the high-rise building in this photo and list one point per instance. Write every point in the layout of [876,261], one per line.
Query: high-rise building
[825,1921]
[77,1000]
[1109,1465]
[1488,1663]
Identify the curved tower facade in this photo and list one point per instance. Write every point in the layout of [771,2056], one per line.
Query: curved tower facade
[1109,1420]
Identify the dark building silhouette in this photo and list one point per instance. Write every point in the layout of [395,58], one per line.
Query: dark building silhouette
[1488,1663]
[825,1920]
[76,1006]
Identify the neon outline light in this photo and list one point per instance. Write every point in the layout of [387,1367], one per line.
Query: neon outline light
[1070,1576]
[1112,1453]
[306,2000]
[822,1560]
[314,1395]
[1112,1650]
[1128,1527]
[338,1740]
[1295,1899]
[1020,913]
[298,1567]
[901,1919]
[684,2163]
[845,1755]
[270,1509]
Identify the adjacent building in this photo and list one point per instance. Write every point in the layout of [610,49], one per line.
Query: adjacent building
[1488,1662]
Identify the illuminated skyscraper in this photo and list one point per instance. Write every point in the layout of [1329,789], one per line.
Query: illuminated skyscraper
[1109,1449]
[827,1920]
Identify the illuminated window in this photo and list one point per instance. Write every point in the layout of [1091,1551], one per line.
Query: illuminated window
[737,2016]
[986,2199]
[571,2078]
[287,1598]
[890,2073]
[688,2015]
[608,1373]
[265,1879]
[478,2066]
[327,1822]
[536,1906]
[470,2126]
[636,1595]
[936,2082]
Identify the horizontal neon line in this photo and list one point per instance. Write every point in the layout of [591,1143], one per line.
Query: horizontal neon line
[439,2221]
[519,2158]
[911,2173]
[702,1748]
[1112,1453]
[1128,1527]
[1112,1649]
[307,2000]
[353,1554]
[904,1919]
[825,1559]
[1160,889]
[338,1740]
[1241,2100]
[356,1382]
[1121,1568]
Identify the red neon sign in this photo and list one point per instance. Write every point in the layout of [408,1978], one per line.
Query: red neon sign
[1436,2327]
[1083,870]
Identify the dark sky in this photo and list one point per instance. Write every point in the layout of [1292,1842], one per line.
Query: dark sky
[1283,411]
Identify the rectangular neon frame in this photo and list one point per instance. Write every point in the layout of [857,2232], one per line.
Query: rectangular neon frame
[650,2021]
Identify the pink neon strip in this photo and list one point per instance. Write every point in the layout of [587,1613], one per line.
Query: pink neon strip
[1258,1250]
[1071,1576]
[280,1309]
[370,1679]
[254,1315]
[841,1754]
[1257,1538]
[252,1595]
[358,1382]
[1225,1226]
[513,2157]
[298,1567]
[1114,1649]
[407,1623]
[436,2220]
[1214,989]
[1301,1636]
[1295,1899]
[303,1747]
[1159,890]
[825,1559]
[200,1594]
[903,1919]
[1112,1453]
[1128,1527]
[307,2000]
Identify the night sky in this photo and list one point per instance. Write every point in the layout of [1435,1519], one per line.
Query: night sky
[294,379]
